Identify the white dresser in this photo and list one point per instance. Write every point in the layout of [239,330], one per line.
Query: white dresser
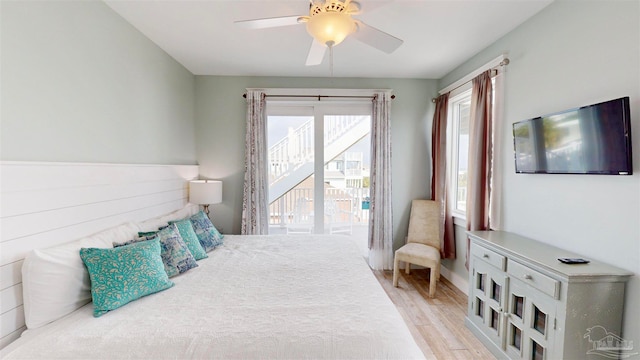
[525,304]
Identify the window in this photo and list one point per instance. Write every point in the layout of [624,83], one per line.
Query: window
[458,131]
[459,114]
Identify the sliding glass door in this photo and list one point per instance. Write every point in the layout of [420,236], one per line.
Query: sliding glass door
[291,160]
[319,168]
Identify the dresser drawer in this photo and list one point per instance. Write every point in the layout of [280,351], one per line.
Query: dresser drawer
[532,277]
[488,256]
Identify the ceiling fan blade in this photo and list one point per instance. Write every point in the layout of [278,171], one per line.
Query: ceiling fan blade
[269,22]
[376,38]
[316,53]
[373,5]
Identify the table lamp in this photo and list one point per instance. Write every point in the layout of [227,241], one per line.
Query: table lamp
[205,193]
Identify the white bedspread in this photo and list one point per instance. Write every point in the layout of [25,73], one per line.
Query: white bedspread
[256,297]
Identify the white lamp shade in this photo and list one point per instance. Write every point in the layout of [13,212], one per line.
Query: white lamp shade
[205,192]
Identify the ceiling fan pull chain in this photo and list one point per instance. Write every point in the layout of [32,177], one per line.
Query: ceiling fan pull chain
[331,59]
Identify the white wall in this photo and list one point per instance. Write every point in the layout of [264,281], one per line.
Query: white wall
[81,84]
[220,127]
[573,53]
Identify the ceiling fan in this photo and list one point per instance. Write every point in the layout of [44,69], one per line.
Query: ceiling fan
[329,23]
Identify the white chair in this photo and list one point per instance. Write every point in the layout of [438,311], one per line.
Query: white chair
[301,217]
[423,242]
[337,219]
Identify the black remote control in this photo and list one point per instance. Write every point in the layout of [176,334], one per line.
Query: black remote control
[573,260]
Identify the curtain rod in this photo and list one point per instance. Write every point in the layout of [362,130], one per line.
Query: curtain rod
[504,62]
[320,96]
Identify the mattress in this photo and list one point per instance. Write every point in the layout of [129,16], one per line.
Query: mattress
[255,297]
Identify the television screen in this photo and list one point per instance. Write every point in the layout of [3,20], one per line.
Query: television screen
[594,139]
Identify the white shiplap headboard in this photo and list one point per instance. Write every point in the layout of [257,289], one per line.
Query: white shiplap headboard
[46,204]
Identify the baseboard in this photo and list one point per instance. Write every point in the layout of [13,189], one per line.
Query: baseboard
[458,281]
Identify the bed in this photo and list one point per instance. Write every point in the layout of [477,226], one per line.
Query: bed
[255,297]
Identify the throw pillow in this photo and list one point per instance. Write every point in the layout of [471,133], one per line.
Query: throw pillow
[138,239]
[149,234]
[209,236]
[124,274]
[190,238]
[175,254]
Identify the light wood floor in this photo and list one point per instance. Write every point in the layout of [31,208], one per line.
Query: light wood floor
[437,324]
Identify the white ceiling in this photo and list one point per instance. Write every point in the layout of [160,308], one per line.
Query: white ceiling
[438,35]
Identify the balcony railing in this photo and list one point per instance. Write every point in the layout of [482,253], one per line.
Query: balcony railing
[294,208]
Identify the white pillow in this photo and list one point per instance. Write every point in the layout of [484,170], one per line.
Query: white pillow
[154,223]
[183,213]
[151,225]
[55,281]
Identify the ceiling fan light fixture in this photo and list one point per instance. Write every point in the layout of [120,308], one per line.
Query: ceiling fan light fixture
[329,22]
[330,28]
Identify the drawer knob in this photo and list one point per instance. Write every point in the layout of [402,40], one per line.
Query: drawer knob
[528,277]
[486,256]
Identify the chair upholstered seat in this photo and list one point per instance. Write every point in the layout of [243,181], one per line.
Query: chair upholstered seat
[423,242]
[415,253]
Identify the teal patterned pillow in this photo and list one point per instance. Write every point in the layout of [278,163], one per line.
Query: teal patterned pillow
[209,236]
[190,238]
[175,254]
[121,275]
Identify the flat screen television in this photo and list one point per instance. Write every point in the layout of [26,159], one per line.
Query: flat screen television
[593,139]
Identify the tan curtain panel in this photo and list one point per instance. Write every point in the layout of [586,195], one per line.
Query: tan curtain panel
[439,186]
